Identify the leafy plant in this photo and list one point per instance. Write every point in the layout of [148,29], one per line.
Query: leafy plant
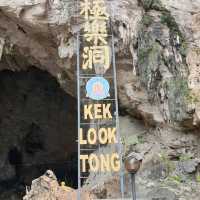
[168,20]
[131,140]
[177,179]
[185,157]
[192,97]
[167,162]
[152,4]
[141,139]
[198,178]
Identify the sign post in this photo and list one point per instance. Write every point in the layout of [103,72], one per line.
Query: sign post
[98,118]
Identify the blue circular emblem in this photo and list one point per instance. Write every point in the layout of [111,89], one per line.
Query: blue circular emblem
[97,88]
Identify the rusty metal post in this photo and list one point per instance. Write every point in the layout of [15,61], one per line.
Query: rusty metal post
[133,186]
[132,164]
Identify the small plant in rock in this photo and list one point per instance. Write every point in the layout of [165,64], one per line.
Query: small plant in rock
[130,141]
[152,4]
[168,20]
[170,167]
[141,139]
[192,97]
[198,178]
[185,157]
[147,20]
[177,179]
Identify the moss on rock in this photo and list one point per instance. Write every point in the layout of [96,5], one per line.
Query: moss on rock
[179,92]
[152,5]
[147,20]
[168,20]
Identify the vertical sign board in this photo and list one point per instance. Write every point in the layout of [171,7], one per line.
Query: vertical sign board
[99,140]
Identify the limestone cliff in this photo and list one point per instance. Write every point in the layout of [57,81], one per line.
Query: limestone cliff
[157,45]
[156,41]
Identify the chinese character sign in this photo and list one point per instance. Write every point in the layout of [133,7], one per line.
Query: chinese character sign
[98,105]
[96,52]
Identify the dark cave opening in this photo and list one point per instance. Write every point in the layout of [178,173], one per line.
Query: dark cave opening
[38,129]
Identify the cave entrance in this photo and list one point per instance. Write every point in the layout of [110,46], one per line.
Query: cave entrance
[38,128]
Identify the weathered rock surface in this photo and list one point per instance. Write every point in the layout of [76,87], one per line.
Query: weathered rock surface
[162,193]
[46,187]
[162,176]
[154,43]
[158,57]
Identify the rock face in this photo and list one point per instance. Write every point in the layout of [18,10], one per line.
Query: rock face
[169,169]
[156,38]
[46,187]
[157,45]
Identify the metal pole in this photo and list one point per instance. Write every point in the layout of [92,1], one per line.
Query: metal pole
[78,108]
[117,120]
[133,186]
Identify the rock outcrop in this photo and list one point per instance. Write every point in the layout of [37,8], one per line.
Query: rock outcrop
[155,40]
[157,44]
[46,187]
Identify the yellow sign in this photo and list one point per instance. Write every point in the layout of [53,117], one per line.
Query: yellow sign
[103,136]
[94,11]
[96,55]
[97,111]
[95,32]
[103,163]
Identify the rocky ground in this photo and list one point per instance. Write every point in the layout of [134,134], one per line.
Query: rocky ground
[157,46]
